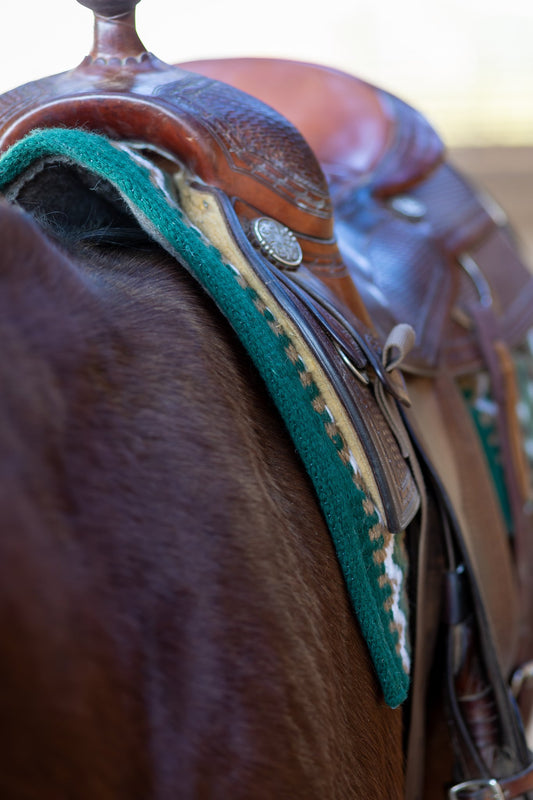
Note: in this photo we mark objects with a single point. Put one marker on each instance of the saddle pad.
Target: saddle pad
(372, 560)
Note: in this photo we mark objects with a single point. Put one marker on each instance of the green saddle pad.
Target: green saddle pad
(372, 560)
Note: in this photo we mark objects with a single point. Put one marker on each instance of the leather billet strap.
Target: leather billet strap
(427, 566)
(443, 429)
(481, 603)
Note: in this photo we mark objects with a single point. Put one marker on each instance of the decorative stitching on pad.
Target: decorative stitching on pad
(389, 554)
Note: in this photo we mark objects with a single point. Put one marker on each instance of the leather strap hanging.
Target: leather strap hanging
(480, 610)
(505, 393)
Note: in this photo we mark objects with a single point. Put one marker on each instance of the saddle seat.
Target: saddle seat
(351, 126)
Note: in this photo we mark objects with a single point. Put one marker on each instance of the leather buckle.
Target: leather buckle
(520, 676)
(491, 790)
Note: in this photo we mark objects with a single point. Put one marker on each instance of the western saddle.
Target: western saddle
(347, 192)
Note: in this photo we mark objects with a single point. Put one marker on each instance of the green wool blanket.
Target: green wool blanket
(371, 559)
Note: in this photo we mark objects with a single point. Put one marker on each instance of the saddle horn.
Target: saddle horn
(228, 138)
(115, 34)
(110, 8)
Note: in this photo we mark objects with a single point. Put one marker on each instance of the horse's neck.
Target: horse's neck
(168, 551)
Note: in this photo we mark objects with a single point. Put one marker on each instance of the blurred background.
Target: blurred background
(466, 64)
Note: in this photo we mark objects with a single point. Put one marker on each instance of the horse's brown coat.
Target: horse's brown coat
(173, 620)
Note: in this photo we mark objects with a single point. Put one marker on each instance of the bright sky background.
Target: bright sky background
(467, 64)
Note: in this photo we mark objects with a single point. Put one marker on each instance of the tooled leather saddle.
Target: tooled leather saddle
(346, 192)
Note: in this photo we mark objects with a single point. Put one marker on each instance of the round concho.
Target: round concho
(409, 207)
(277, 242)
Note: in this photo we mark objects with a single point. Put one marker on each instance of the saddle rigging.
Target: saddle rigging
(357, 224)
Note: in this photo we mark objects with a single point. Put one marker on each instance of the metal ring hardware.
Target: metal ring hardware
(462, 791)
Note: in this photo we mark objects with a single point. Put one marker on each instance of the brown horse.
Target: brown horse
(177, 621)
(174, 621)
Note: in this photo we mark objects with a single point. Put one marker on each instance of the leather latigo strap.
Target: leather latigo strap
(505, 393)
(444, 431)
(480, 608)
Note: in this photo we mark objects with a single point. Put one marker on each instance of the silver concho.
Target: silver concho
(409, 207)
(277, 242)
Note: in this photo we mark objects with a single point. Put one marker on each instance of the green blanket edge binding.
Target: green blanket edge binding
(341, 501)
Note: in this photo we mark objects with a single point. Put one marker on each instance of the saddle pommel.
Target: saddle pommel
(230, 140)
(115, 36)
